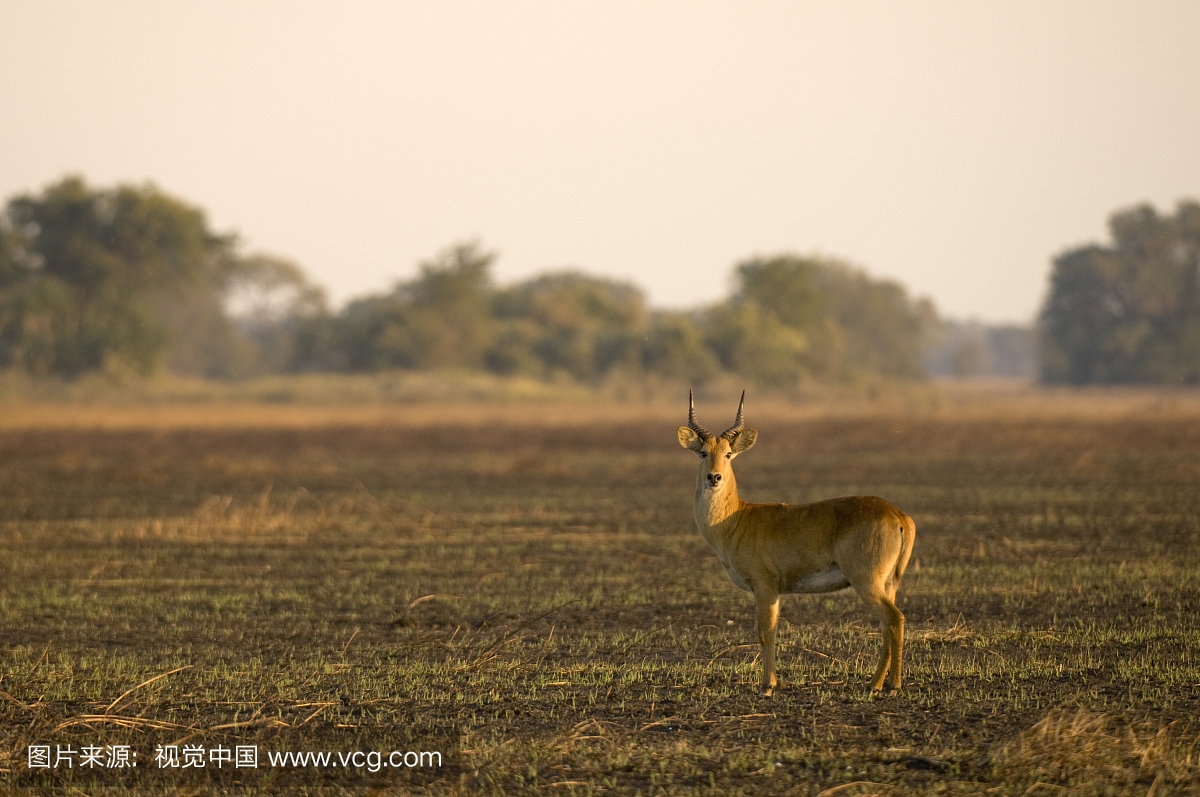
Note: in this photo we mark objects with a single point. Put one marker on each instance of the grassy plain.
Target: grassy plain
(522, 589)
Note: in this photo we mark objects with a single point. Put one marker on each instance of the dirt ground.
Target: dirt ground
(524, 593)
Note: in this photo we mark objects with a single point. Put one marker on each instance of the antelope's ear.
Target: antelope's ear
(688, 438)
(743, 441)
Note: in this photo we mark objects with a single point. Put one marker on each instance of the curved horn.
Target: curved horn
(703, 433)
(738, 423)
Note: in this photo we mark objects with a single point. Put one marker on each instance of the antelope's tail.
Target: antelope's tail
(908, 538)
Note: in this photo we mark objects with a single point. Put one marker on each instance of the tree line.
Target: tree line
(131, 279)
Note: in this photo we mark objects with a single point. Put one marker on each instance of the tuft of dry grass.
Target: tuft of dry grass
(1092, 752)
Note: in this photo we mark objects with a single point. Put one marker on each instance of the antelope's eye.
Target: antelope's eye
(729, 455)
(703, 454)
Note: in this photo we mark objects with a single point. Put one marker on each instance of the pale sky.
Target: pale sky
(953, 146)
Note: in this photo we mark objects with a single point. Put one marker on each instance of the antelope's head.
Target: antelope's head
(716, 452)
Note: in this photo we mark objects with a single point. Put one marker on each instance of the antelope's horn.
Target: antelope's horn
(738, 423)
(695, 427)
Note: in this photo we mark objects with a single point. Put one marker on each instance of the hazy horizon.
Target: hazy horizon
(953, 148)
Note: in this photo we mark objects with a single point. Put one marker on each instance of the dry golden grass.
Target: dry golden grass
(1086, 753)
(967, 400)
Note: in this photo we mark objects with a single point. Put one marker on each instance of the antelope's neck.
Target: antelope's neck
(716, 512)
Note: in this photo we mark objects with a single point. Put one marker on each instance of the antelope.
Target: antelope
(773, 549)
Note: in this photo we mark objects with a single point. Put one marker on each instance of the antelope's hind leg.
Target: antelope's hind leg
(896, 646)
(891, 623)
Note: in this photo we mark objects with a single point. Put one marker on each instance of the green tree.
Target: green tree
(1128, 312)
(793, 318)
(883, 329)
(452, 316)
(84, 274)
(276, 309)
(675, 348)
(571, 323)
(751, 341)
(441, 319)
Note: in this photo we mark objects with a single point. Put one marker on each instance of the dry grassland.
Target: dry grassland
(521, 588)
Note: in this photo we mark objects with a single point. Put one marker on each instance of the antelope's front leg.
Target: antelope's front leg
(767, 604)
